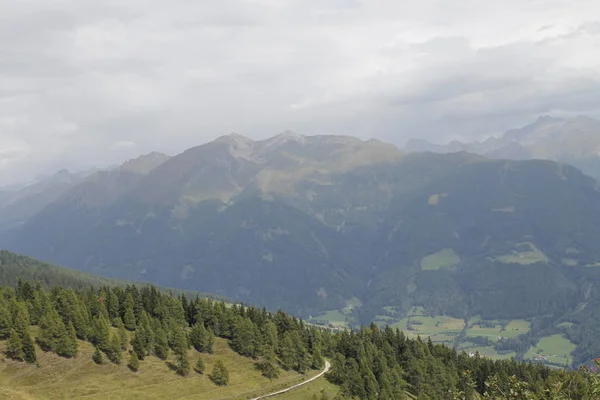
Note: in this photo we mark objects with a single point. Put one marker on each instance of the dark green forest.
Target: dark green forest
(370, 363)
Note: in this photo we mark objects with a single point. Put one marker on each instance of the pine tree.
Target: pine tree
(134, 362)
(5, 322)
(219, 374)
(100, 333)
(161, 344)
(137, 343)
(123, 337)
(268, 366)
(129, 316)
(29, 354)
(199, 338)
(182, 364)
(114, 353)
(200, 367)
(97, 357)
(180, 348)
(14, 347)
(52, 332)
(67, 343)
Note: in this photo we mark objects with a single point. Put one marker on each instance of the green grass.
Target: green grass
(60, 378)
(490, 352)
(555, 348)
(336, 318)
(307, 391)
(429, 326)
(442, 259)
(516, 327)
(527, 254)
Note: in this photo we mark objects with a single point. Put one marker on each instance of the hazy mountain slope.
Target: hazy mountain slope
(573, 141)
(17, 206)
(308, 222)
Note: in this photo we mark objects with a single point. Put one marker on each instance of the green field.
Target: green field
(336, 318)
(500, 329)
(555, 348)
(60, 378)
(442, 259)
(526, 253)
(428, 326)
(489, 352)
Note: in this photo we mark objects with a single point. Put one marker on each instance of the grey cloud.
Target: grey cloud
(78, 77)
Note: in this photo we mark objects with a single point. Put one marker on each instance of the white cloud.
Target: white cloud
(77, 77)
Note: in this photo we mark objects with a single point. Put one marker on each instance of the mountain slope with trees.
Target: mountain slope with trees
(137, 326)
(306, 223)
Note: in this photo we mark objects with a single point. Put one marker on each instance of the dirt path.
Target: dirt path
(327, 367)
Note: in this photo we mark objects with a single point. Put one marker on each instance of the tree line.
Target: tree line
(370, 363)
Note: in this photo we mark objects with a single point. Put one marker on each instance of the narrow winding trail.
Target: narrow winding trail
(327, 367)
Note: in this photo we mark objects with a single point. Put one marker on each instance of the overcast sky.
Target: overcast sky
(94, 82)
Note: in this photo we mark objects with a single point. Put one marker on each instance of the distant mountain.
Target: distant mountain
(17, 204)
(573, 141)
(307, 222)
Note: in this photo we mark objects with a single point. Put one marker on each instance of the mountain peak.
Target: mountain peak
(144, 164)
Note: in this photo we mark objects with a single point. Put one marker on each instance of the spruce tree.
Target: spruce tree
(97, 356)
(5, 322)
(161, 344)
(67, 343)
(123, 337)
(180, 348)
(100, 333)
(134, 362)
(219, 374)
(29, 354)
(129, 316)
(52, 332)
(14, 347)
(199, 338)
(137, 343)
(200, 367)
(268, 366)
(114, 353)
(182, 364)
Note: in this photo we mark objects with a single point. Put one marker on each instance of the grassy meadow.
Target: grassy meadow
(81, 378)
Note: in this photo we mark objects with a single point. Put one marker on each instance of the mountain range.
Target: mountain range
(307, 222)
(574, 141)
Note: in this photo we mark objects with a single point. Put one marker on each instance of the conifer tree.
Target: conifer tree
(268, 366)
(67, 343)
(180, 347)
(287, 352)
(220, 374)
(200, 367)
(134, 362)
(161, 344)
(100, 333)
(123, 337)
(182, 364)
(29, 353)
(129, 316)
(14, 347)
(114, 354)
(97, 356)
(137, 343)
(5, 322)
(53, 333)
(199, 338)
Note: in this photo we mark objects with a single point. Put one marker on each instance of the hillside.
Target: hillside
(574, 141)
(80, 377)
(307, 223)
(130, 343)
